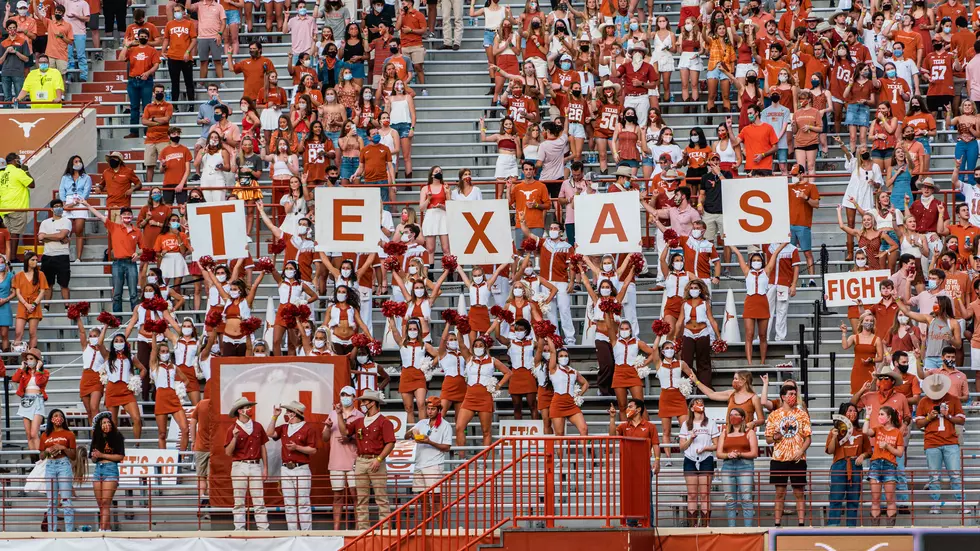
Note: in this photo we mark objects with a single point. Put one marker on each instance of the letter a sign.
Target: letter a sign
(756, 210)
(480, 232)
(348, 219)
(218, 229)
(607, 223)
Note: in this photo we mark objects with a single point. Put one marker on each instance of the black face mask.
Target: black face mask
(393, 49)
(158, 96)
(175, 138)
(577, 93)
(331, 53)
(437, 176)
(144, 40)
(751, 79)
(866, 156)
(535, 25)
(195, 200)
(631, 119)
(114, 162)
(59, 16)
(218, 116)
(584, 48)
(333, 179)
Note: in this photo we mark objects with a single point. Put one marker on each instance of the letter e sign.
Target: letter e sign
(348, 219)
(755, 210)
(217, 229)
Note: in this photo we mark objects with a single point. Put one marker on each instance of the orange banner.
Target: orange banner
(25, 131)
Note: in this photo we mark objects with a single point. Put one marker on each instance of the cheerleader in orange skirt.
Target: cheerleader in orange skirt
(626, 347)
(672, 403)
(563, 381)
(291, 290)
(675, 282)
(420, 300)
(453, 368)
(185, 357)
(411, 384)
(755, 312)
(869, 351)
(480, 298)
(120, 366)
(545, 391)
(480, 371)
(165, 376)
(366, 374)
(520, 349)
(93, 362)
(222, 276)
(144, 338)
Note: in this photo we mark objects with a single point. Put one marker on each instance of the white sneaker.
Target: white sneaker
(935, 510)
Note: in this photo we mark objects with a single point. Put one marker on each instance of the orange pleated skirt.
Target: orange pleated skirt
(522, 381)
(625, 377)
(545, 396)
(411, 380)
(193, 385)
(479, 318)
(563, 405)
(672, 404)
(453, 389)
(478, 399)
(91, 382)
(167, 402)
(756, 307)
(673, 307)
(118, 394)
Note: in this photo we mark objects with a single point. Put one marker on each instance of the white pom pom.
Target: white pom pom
(686, 386)
(135, 384)
(638, 362)
(492, 387)
(543, 303)
(643, 372)
(495, 394)
(577, 396)
(181, 389)
(103, 376)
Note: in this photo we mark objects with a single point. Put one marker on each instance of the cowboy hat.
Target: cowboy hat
(97, 420)
(115, 154)
(638, 46)
(608, 84)
(33, 352)
(671, 174)
(928, 182)
(889, 371)
(936, 386)
(624, 171)
(240, 403)
(823, 27)
(372, 395)
(295, 407)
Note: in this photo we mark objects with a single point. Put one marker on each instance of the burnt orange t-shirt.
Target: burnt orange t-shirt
(158, 133)
(141, 59)
(169, 242)
(697, 157)
(892, 436)
(375, 159)
(525, 193)
(416, 21)
(254, 71)
(116, 184)
(174, 159)
(202, 414)
(179, 34)
(133, 28)
(852, 445)
(800, 211)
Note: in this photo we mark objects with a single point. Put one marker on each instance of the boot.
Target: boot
(876, 521)
(890, 520)
(692, 519)
(705, 519)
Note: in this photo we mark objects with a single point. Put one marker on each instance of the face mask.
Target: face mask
(152, 279)
(319, 343)
(290, 274)
(214, 143)
(144, 40)
(931, 284)
(553, 234)
(584, 48)
(783, 78)
(678, 266)
(453, 345)
(175, 138)
(688, 27)
(563, 361)
(346, 272)
(897, 52)
(302, 230)
(752, 79)
(624, 333)
(637, 58)
(519, 335)
(566, 65)
(412, 270)
(695, 292)
(118, 346)
(860, 262)
(341, 297)
(950, 362)
(518, 292)
(890, 73)
(164, 356)
(149, 295)
(93, 340)
(605, 291)
(751, 117)
(127, 220)
(529, 271)
(222, 278)
(368, 96)
(302, 11)
(669, 353)
(329, 98)
(419, 293)
(308, 331)
(413, 334)
(866, 156)
(756, 264)
(479, 351)
(697, 234)
(348, 76)
(234, 293)
(607, 267)
(186, 331)
(868, 326)
(178, 15)
(58, 211)
(815, 82)
(114, 162)
(346, 401)
(158, 96)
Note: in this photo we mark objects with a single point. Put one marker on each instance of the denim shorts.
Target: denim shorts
(782, 154)
(357, 70)
(576, 130)
(488, 37)
(924, 140)
(630, 163)
(884, 244)
(348, 166)
(362, 132)
(705, 467)
(647, 160)
(334, 137)
(716, 74)
(800, 236)
(403, 128)
(233, 17)
(882, 153)
(883, 471)
(857, 115)
(106, 471)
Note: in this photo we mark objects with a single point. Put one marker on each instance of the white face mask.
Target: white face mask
(518, 292)
(118, 346)
(479, 351)
(697, 234)
(563, 361)
(607, 267)
(308, 331)
(151, 279)
(149, 295)
(860, 262)
(346, 272)
(341, 297)
(302, 230)
(319, 343)
(688, 27)
(93, 340)
(406, 238)
(678, 266)
(669, 353)
(519, 335)
(259, 354)
(529, 271)
(413, 334)
(478, 279)
(420, 293)
(363, 359)
(186, 331)
(903, 319)
(222, 278)
(553, 234)
(695, 292)
(756, 264)
(234, 293)
(605, 291)
(164, 356)
(637, 58)
(624, 333)
(452, 345)
(290, 273)
(412, 270)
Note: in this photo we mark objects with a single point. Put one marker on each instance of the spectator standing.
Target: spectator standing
(938, 415)
(803, 198)
(58, 448)
(254, 70)
(452, 23)
(78, 13)
(61, 37)
(375, 438)
(74, 189)
(788, 431)
(343, 452)
(176, 161)
(95, 8)
(302, 32)
(375, 168)
(140, 22)
(211, 21)
(779, 118)
(54, 234)
(202, 430)
(124, 238)
(760, 142)
(849, 449)
(15, 196)
(433, 439)
(298, 445)
(973, 74)
(29, 286)
(16, 56)
(245, 444)
(156, 119)
(119, 182)
(574, 186)
(179, 44)
(233, 22)
(44, 85)
(531, 200)
(413, 28)
(115, 18)
(551, 155)
(144, 60)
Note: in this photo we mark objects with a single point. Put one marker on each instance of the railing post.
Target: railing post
(804, 370)
(833, 380)
(816, 326)
(6, 407)
(549, 482)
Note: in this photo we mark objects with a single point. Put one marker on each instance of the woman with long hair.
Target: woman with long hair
(741, 396)
(250, 118)
(453, 365)
(942, 330)
(283, 165)
(626, 350)
(291, 287)
(884, 135)
(237, 303)
(32, 380)
(211, 163)
(869, 237)
(350, 151)
(536, 42)
(171, 246)
(520, 345)
(333, 115)
(432, 205)
(546, 391)
(108, 450)
(185, 354)
(74, 189)
(285, 131)
(413, 348)
(696, 327)
(508, 148)
(628, 141)
(503, 49)
(564, 380)
(494, 15)
(698, 440)
(889, 445)
(302, 115)
(738, 447)
(850, 450)
(348, 91)
(869, 350)
(368, 113)
(353, 53)
(318, 154)
(167, 404)
(343, 318)
(90, 387)
(672, 404)
(122, 366)
(480, 372)
(146, 311)
(718, 40)
(807, 130)
(662, 43)
(401, 107)
(29, 286)
(758, 275)
(272, 100)
(294, 204)
(479, 286)
(58, 447)
(608, 111)
(7, 294)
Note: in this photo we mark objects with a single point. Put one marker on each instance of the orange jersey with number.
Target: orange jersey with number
(606, 120)
(891, 91)
(939, 67)
(577, 110)
(841, 73)
(517, 109)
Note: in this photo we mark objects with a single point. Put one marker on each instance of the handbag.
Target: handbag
(37, 479)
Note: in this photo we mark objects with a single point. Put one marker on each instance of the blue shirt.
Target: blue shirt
(206, 111)
(69, 187)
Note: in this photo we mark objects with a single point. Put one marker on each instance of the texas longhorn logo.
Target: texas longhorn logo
(26, 127)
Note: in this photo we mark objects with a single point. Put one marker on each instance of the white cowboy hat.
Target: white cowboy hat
(936, 386)
(240, 403)
(295, 407)
(372, 395)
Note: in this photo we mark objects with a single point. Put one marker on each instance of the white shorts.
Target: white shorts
(576, 130)
(690, 61)
(271, 1)
(743, 69)
(426, 477)
(506, 166)
(540, 67)
(338, 479)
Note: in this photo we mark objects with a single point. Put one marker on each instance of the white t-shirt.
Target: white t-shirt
(429, 456)
(703, 435)
(50, 225)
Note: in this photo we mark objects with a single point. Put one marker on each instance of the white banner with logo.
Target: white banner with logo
(755, 210)
(142, 465)
(480, 232)
(521, 428)
(608, 223)
(217, 230)
(348, 219)
(847, 288)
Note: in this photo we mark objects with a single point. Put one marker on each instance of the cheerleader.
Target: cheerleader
(238, 301)
(185, 357)
(672, 403)
(626, 347)
(420, 301)
(546, 392)
(300, 247)
(221, 277)
(120, 365)
(453, 368)
(520, 349)
(342, 319)
(755, 312)
(90, 388)
(479, 289)
(697, 328)
(209, 349)
(172, 244)
(145, 338)
(597, 322)
(165, 377)
(366, 374)
(480, 371)
(359, 282)
(563, 381)
(520, 304)
(291, 291)
(555, 276)
(318, 345)
(675, 284)
(412, 384)
(537, 285)
(154, 276)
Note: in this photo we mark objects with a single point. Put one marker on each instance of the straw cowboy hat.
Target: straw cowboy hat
(296, 407)
(372, 395)
(33, 352)
(240, 403)
(624, 171)
(889, 371)
(936, 386)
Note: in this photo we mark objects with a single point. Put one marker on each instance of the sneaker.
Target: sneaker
(935, 510)
(569, 342)
(813, 283)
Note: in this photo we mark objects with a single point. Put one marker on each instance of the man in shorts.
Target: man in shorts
(156, 119)
(53, 233)
(788, 431)
(433, 438)
(15, 194)
(343, 452)
(211, 20)
(803, 198)
(413, 28)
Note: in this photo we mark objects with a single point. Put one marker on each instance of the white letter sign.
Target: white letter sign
(348, 219)
(480, 232)
(608, 223)
(756, 210)
(217, 229)
(847, 288)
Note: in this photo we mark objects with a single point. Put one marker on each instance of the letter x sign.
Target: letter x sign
(480, 232)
